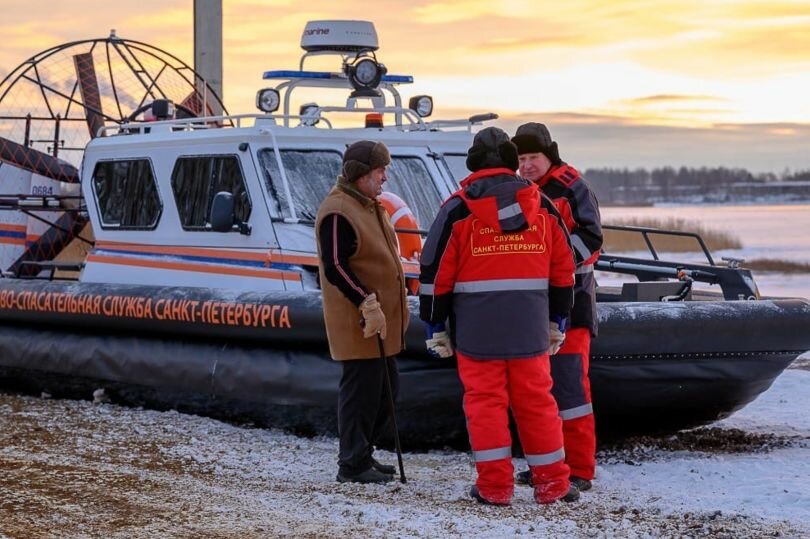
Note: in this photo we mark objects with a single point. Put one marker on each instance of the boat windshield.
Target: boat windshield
(457, 166)
(312, 173)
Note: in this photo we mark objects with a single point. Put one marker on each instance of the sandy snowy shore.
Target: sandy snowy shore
(75, 469)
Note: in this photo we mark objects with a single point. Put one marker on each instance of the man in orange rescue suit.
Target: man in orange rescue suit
(540, 163)
(363, 299)
(496, 260)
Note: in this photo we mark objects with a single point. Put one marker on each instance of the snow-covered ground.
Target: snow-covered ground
(75, 469)
(772, 484)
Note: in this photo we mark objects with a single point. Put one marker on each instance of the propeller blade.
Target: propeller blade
(88, 86)
(38, 162)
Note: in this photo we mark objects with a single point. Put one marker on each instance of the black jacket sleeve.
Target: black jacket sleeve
(338, 242)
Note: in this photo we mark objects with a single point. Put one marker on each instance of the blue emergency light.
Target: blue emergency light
(284, 74)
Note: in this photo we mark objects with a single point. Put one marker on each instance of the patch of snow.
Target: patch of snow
(191, 476)
(772, 485)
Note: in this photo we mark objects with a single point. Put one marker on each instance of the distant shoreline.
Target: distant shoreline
(692, 203)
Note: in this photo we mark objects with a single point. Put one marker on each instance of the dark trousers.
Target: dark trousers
(364, 410)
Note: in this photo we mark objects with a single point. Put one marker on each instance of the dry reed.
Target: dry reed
(776, 265)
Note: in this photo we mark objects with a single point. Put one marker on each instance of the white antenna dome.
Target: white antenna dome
(344, 36)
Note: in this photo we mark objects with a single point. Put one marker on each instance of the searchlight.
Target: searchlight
(365, 74)
(267, 100)
(422, 105)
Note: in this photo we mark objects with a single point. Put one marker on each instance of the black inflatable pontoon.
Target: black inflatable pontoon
(263, 357)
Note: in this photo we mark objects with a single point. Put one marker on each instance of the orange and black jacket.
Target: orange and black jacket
(497, 262)
(579, 209)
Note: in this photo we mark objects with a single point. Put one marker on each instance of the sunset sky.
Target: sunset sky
(620, 83)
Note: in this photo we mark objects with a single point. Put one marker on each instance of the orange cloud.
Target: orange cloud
(672, 98)
(586, 56)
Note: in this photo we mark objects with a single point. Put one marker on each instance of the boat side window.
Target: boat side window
(408, 178)
(311, 174)
(456, 165)
(195, 181)
(126, 194)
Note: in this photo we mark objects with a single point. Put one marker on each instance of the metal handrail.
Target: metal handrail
(646, 231)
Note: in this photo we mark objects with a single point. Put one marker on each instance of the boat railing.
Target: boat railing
(314, 115)
(416, 123)
(42, 203)
(167, 126)
(645, 233)
(736, 283)
(466, 123)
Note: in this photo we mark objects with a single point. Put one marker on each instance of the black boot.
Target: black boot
(368, 476)
(383, 468)
(476, 495)
(524, 478)
(572, 496)
(581, 484)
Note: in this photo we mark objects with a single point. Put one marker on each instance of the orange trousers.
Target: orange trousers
(491, 387)
(572, 391)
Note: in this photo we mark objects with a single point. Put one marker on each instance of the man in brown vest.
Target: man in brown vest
(363, 298)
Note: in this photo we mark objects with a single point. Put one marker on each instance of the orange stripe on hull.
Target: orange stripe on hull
(201, 268)
(12, 241)
(266, 257)
(286, 258)
(175, 250)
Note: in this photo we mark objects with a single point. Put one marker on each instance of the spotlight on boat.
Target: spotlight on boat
(161, 109)
(422, 105)
(267, 100)
(310, 114)
(365, 75)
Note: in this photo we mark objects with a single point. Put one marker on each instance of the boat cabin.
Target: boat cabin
(195, 202)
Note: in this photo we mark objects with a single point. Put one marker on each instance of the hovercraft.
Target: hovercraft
(198, 290)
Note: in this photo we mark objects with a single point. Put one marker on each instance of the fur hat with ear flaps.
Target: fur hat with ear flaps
(534, 137)
(492, 148)
(362, 157)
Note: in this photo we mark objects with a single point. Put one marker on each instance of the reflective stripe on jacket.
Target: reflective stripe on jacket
(580, 211)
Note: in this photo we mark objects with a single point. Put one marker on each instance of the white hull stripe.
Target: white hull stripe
(500, 285)
(510, 211)
(587, 268)
(488, 455)
(543, 459)
(579, 411)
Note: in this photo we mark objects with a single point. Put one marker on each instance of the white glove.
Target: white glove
(439, 345)
(556, 338)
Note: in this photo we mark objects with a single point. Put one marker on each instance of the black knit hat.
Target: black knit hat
(362, 157)
(492, 148)
(534, 137)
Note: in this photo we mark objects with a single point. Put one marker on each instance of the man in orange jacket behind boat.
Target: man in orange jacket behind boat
(540, 163)
(498, 264)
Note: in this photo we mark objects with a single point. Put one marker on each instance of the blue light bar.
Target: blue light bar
(392, 79)
(297, 75)
(398, 79)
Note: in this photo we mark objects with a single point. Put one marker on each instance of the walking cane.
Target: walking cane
(393, 410)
